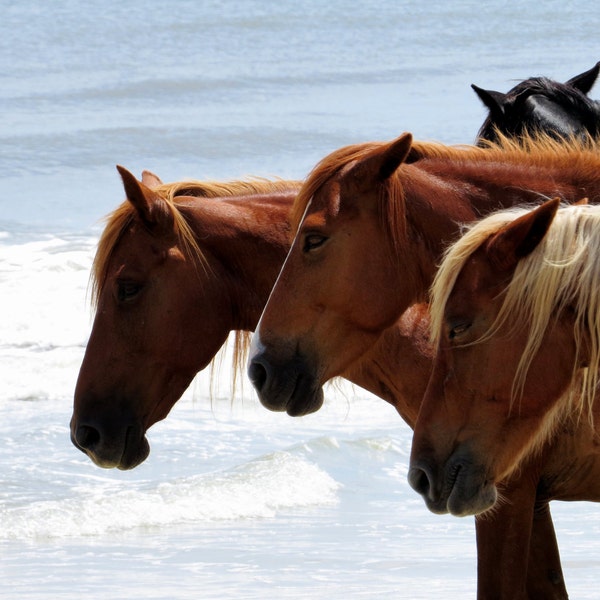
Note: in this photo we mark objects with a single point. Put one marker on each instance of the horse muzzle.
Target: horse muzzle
(112, 445)
(459, 487)
(282, 384)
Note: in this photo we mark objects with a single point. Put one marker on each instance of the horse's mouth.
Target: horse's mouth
(460, 487)
(133, 450)
(296, 393)
(305, 399)
(468, 492)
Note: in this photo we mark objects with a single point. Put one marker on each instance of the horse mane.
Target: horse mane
(217, 189)
(173, 195)
(562, 272)
(580, 156)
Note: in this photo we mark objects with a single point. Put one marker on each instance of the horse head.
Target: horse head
(315, 323)
(508, 352)
(542, 106)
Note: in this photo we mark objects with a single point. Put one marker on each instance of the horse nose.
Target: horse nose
(86, 437)
(419, 480)
(258, 372)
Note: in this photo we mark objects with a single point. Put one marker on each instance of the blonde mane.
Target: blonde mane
(580, 156)
(173, 194)
(562, 272)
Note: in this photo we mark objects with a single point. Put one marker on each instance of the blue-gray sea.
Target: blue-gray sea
(234, 501)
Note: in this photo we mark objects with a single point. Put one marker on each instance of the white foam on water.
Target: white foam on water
(258, 489)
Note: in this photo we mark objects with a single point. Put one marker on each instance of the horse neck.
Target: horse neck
(397, 368)
(442, 195)
(248, 237)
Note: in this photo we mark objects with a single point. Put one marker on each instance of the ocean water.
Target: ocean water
(234, 501)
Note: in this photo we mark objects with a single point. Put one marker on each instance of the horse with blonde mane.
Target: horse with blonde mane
(181, 265)
(516, 323)
(372, 221)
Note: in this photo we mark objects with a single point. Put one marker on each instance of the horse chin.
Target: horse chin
(470, 496)
(301, 402)
(308, 403)
(134, 454)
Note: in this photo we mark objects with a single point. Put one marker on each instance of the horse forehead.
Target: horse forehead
(139, 245)
(326, 200)
(546, 109)
(476, 281)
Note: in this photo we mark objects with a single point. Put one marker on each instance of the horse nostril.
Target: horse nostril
(419, 481)
(87, 437)
(257, 374)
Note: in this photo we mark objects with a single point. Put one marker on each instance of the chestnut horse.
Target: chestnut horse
(143, 340)
(372, 221)
(539, 104)
(516, 321)
(178, 267)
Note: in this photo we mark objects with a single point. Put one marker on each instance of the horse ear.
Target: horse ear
(520, 237)
(151, 180)
(585, 81)
(382, 165)
(150, 206)
(494, 101)
(393, 156)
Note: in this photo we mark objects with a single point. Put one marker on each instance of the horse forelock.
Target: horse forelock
(326, 169)
(562, 272)
(567, 96)
(117, 224)
(390, 195)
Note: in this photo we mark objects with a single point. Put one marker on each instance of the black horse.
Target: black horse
(541, 105)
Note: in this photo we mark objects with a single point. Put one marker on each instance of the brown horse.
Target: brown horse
(178, 267)
(516, 318)
(373, 220)
(139, 343)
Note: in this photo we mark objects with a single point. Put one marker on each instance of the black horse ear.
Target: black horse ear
(493, 100)
(585, 81)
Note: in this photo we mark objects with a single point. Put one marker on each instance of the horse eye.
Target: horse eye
(458, 330)
(127, 290)
(313, 241)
